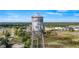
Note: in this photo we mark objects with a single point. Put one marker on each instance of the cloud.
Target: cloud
(76, 14)
(14, 17)
(62, 11)
(54, 13)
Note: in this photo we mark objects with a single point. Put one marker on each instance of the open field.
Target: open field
(64, 39)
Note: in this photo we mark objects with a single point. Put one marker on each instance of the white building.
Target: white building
(75, 28)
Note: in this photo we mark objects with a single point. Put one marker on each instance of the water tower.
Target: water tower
(37, 31)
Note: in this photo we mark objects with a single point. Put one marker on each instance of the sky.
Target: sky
(49, 15)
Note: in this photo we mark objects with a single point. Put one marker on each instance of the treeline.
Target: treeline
(47, 24)
(60, 24)
(11, 24)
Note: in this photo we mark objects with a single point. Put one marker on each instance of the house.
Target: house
(59, 28)
(75, 28)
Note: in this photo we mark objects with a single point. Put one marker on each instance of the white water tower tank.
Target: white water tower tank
(37, 23)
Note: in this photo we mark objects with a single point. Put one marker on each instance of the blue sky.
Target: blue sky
(49, 15)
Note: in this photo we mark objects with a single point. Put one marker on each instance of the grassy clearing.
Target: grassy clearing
(64, 39)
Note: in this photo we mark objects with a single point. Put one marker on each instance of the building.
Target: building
(75, 28)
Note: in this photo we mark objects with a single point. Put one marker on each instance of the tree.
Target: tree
(71, 29)
(7, 34)
(26, 40)
(25, 37)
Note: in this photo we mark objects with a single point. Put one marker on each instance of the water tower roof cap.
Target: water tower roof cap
(37, 15)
